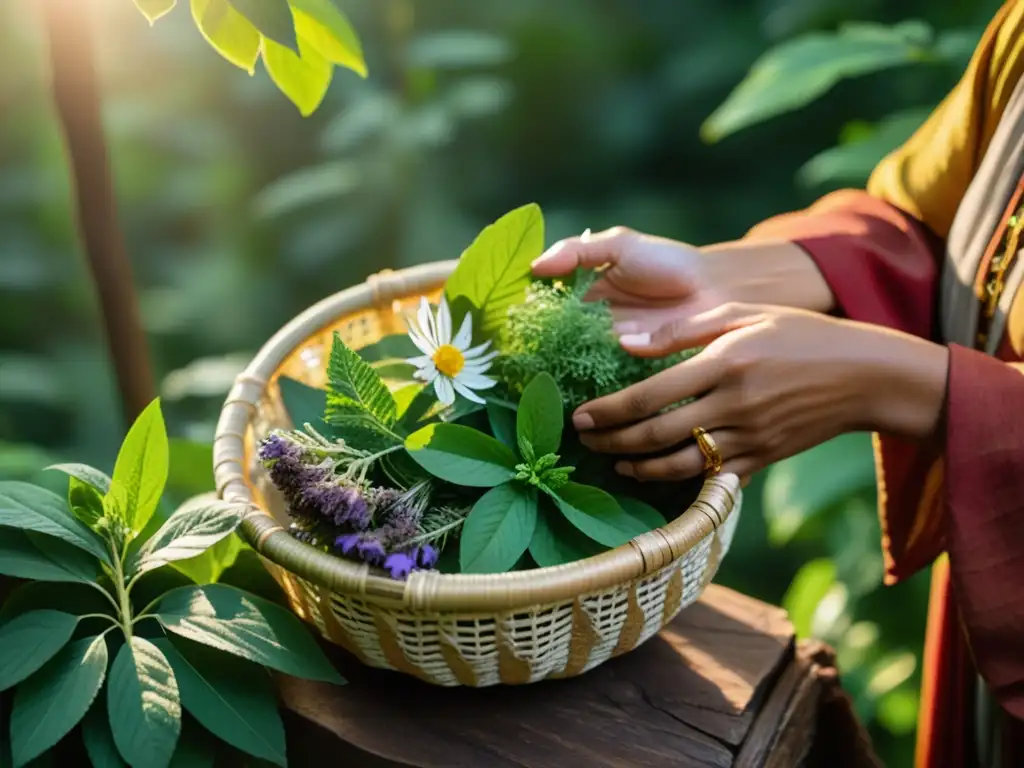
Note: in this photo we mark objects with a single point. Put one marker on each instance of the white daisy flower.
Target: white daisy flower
(450, 363)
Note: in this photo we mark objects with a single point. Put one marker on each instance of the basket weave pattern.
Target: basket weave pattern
(451, 630)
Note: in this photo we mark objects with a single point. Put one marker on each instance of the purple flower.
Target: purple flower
(371, 550)
(426, 556)
(337, 503)
(348, 542)
(277, 446)
(400, 564)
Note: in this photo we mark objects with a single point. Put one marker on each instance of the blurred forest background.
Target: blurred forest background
(239, 213)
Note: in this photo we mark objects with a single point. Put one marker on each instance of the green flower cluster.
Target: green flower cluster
(554, 331)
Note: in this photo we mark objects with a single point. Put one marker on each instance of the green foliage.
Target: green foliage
(31, 640)
(359, 404)
(143, 704)
(498, 529)
(461, 455)
(142, 466)
(535, 426)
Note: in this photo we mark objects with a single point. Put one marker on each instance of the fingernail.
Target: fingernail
(585, 237)
(582, 421)
(626, 327)
(635, 340)
(548, 254)
(624, 468)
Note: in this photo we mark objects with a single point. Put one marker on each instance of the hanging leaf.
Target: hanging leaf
(99, 741)
(28, 555)
(303, 77)
(142, 465)
(355, 387)
(154, 9)
(31, 508)
(597, 514)
(556, 542)
(144, 705)
(327, 29)
(461, 455)
(272, 18)
(29, 641)
(540, 416)
(198, 524)
(498, 529)
(231, 34)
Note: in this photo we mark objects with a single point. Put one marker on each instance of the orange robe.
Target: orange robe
(957, 500)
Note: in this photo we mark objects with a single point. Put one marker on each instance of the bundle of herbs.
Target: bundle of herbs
(447, 448)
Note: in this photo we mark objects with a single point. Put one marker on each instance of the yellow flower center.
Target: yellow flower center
(449, 360)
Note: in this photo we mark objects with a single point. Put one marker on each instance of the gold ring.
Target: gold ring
(708, 447)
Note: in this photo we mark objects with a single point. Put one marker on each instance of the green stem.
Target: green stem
(109, 618)
(124, 609)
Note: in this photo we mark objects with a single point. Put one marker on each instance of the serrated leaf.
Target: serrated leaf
(354, 387)
(197, 525)
(55, 699)
(597, 514)
(323, 25)
(85, 502)
(142, 465)
(144, 705)
(229, 33)
(540, 416)
(154, 9)
(498, 529)
(229, 697)
(31, 508)
(461, 455)
(273, 19)
(303, 76)
(88, 475)
(28, 555)
(31, 640)
(247, 626)
(98, 740)
(494, 272)
(556, 542)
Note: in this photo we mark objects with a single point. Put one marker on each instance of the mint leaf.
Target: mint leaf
(322, 24)
(31, 508)
(143, 705)
(29, 641)
(494, 272)
(498, 529)
(197, 525)
(642, 511)
(142, 466)
(461, 455)
(273, 19)
(355, 387)
(597, 514)
(30, 555)
(88, 475)
(539, 421)
(229, 33)
(556, 542)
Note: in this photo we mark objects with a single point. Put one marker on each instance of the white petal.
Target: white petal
(426, 320)
(475, 368)
(420, 362)
(427, 373)
(468, 393)
(444, 390)
(465, 335)
(422, 343)
(480, 359)
(477, 350)
(475, 380)
(444, 323)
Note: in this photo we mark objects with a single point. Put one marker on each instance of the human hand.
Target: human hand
(770, 383)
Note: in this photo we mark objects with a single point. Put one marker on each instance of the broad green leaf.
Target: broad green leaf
(31, 640)
(598, 515)
(461, 455)
(540, 415)
(231, 34)
(55, 699)
(235, 622)
(303, 77)
(229, 697)
(325, 27)
(503, 424)
(355, 386)
(98, 740)
(154, 9)
(142, 465)
(556, 542)
(494, 272)
(28, 555)
(498, 529)
(88, 475)
(144, 705)
(405, 397)
(31, 508)
(805, 486)
(208, 567)
(810, 585)
(800, 70)
(272, 18)
(642, 511)
(198, 524)
(305, 404)
(85, 502)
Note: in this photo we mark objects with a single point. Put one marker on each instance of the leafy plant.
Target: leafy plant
(190, 648)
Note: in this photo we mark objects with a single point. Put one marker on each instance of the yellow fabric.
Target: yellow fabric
(929, 174)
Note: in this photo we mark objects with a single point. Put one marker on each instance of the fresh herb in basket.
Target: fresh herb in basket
(454, 455)
(105, 606)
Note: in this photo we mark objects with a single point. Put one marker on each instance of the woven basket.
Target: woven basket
(473, 630)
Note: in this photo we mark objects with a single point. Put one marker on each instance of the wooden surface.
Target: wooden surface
(723, 685)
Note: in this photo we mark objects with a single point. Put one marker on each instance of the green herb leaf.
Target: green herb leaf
(230, 698)
(55, 699)
(598, 515)
(461, 455)
(642, 511)
(154, 9)
(31, 640)
(29, 555)
(322, 24)
(99, 741)
(540, 415)
(503, 424)
(305, 404)
(355, 386)
(273, 19)
(208, 567)
(144, 705)
(302, 76)
(31, 508)
(556, 542)
(88, 475)
(198, 525)
(231, 34)
(405, 397)
(85, 502)
(235, 622)
(494, 272)
(142, 465)
(498, 529)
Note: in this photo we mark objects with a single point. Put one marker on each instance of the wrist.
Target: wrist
(768, 272)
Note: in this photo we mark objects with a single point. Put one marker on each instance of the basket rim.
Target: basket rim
(428, 590)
